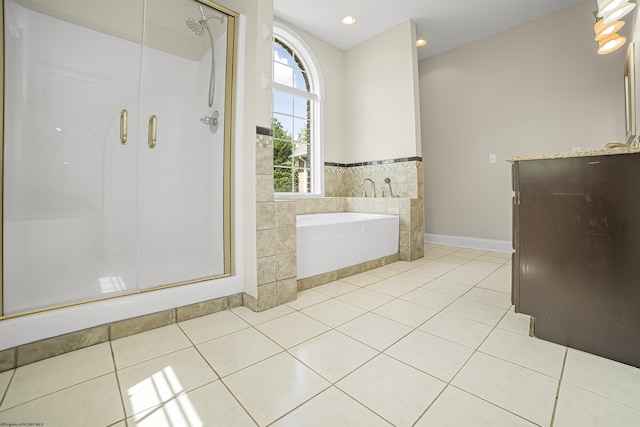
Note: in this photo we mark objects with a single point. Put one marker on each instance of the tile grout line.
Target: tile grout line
(224, 384)
(449, 383)
(285, 351)
(298, 406)
(184, 392)
(6, 391)
(416, 328)
(379, 352)
(555, 403)
(354, 398)
(57, 391)
(54, 391)
(115, 373)
(476, 350)
(219, 377)
(153, 408)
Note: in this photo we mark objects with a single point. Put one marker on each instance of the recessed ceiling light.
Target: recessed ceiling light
(421, 42)
(349, 20)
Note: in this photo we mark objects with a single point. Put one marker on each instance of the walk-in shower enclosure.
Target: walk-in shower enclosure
(116, 163)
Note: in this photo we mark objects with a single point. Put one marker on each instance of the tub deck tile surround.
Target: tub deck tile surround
(265, 216)
(285, 240)
(286, 266)
(287, 290)
(267, 296)
(275, 234)
(406, 175)
(266, 270)
(250, 302)
(264, 242)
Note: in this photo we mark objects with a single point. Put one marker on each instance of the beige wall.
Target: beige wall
(537, 88)
(370, 96)
(632, 21)
(381, 97)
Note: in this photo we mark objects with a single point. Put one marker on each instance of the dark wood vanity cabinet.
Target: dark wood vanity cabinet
(576, 266)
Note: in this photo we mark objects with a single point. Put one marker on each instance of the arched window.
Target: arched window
(296, 119)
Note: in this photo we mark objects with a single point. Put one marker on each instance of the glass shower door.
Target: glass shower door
(69, 215)
(182, 160)
(116, 154)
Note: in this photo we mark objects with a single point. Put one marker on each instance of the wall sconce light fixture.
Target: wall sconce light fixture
(607, 24)
(612, 10)
(603, 30)
(611, 43)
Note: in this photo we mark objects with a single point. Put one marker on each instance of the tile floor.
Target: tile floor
(433, 342)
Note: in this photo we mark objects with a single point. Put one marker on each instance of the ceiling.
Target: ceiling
(446, 24)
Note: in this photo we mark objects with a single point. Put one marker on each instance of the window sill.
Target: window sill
(296, 195)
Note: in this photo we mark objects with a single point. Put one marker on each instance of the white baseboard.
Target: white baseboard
(469, 242)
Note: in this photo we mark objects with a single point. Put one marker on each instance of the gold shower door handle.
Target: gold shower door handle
(124, 125)
(153, 131)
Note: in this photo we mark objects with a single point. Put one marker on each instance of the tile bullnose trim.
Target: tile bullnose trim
(375, 162)
(264, 131)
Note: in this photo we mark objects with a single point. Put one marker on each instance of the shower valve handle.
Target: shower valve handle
(212, 121)
(209, 120)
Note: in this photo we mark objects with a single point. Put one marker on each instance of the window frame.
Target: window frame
(304, 53)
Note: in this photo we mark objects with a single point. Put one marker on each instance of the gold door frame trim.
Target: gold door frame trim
(2, 161)
(229, 170)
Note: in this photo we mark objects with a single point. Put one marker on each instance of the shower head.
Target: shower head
(196, 27)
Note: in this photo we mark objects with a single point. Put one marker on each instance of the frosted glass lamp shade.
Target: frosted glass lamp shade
(618, 12)
(605, 7)
(603, 30)
(611, 43)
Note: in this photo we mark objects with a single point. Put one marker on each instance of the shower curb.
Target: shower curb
(26, 354)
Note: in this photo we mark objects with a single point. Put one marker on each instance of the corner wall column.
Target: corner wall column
(275, 234)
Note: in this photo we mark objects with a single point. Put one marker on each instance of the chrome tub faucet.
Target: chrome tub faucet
(364, 189)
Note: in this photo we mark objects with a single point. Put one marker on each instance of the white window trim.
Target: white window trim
(316, 82)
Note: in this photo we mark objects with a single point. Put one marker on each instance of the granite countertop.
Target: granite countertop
(591, 153)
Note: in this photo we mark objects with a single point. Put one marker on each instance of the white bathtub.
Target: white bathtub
(330, 241)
